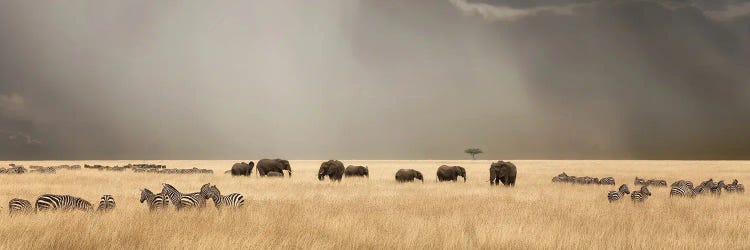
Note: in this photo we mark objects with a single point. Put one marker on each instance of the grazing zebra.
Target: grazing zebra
(62, 202)
(683, 183)
(640, 196)
(106, 203)
(232, 200)
(607, 181)
(154, 201)
(181, 200)
(639, 181)
(617, 195)
(19, 206)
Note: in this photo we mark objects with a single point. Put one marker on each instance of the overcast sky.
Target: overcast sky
(375, 79)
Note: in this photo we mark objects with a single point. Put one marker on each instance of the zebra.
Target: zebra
(607, 181)
(154, 201)
(639, 181)
(232, 200)
(181, 200)
(106, 203)
(563, 177)
(62, 202)
(734, 187)
(640, 196)
(685, 189)
(19, 206)
(617, 195)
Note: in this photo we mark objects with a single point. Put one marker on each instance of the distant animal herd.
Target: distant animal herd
(500, 172)
(682, 188)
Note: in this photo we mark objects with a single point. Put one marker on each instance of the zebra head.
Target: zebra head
(206, 191)
(624, 189)
(171, 192)
(645, 191)
(146, 194)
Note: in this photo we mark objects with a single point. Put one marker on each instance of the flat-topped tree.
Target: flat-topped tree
(473, 152)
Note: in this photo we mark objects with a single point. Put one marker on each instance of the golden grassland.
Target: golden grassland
(378, 213)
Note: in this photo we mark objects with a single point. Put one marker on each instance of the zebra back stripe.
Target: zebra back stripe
(62, 202)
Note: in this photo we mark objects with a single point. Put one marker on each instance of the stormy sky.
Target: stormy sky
(375, 79)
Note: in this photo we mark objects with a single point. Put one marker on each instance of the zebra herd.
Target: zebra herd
(54, 202)
(679, 188)
(169, 194)
(563, 177)
(685, 188)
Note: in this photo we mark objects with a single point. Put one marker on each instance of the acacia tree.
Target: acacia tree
(473, 152)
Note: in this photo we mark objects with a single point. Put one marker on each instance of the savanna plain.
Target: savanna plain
(377, 213)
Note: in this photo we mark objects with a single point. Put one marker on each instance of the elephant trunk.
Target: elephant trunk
(464, 177)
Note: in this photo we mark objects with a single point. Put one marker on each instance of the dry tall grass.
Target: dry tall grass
(303, 212)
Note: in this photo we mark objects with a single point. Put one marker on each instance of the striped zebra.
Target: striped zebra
(685, 189)
(181, 200)
(734, 187)
(639, 181)
(19, 206)
(641, 195)
(62, 202)
(106, 203)
(617, 195)
(607, 181)
(232, 200)
(154, 201)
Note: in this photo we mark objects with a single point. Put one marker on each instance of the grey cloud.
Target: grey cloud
(372, 79)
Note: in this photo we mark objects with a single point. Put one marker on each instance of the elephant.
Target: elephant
(242, 168)
(274, 174)
(408, 175)
(273, 165)
(450, 173)
(503, 171)
(333, 169)
(357, 171)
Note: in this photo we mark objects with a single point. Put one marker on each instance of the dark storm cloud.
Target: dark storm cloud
(374, 79)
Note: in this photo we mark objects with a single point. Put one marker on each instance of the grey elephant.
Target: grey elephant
(408, 175)
(273, 165)
(450, 173)
(333, 169)
(352, 171)
(503, 171)
(274, 174)
(241, 168)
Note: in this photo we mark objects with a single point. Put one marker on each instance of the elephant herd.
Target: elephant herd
(500, 172)
(265, 167)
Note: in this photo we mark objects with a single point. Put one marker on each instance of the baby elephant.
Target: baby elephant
(408, 175)
(352, 171)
